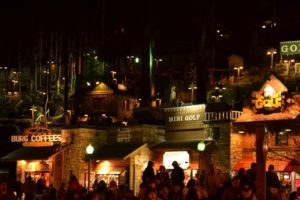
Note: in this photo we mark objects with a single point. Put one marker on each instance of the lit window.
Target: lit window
(282, 138)
(124, 135)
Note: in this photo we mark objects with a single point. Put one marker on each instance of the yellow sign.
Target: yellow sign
(269, 102)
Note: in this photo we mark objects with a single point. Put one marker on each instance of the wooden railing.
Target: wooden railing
(226, 115)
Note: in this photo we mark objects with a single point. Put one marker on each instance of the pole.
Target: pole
(89, 174)
(272, 60)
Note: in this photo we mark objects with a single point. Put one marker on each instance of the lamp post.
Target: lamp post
(89, 150)
(239, 71)
(288, 63)
(271, 53)
(200, 148)
(33, 109)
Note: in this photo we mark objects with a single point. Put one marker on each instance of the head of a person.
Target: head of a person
(271, 167)
(211, 169)
(28, 179)
(151, 195)
(235, 182)
(192, 183)
(175, 164)
(247, 191)
(253, 166)
(242, 171)
(162, 168)
(3, 187)
(150, 163)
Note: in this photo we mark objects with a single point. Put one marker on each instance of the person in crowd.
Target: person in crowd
(298, 192)
(62, 191)
(272, 183)
(251, 173)
(163, 192)
(163, 177)
(95, 184)
(177, 175)
(151, 195)
(293, 195)
(5, 193)
(40, 188)
(142, 191)
(233, 192)
(202, 178)
(75, 190)
(247, 192)
(193, 192)
(29, 189)
(175, 193)
(213, 181)
(282, 195)
(242, 176)
(17, 188)
(148, 174)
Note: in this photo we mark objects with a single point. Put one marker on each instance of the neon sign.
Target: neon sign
(269, 100)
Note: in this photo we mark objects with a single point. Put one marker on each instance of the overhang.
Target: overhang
(31, 153)
(117, 151)
(284, 165)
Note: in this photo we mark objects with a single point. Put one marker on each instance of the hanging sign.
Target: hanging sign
(269, 100)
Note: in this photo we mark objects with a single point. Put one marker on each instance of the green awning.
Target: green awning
(31, 153)
(117, 151)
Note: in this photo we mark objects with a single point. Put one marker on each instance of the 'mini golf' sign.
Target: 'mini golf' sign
(290, 47)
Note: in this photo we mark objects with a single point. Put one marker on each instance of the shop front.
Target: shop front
(268, 133)
(40, 157)
(121, 163)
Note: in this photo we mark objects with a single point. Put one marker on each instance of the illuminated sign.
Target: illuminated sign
(269, 101)
(182, 157)
(185, 117)
(36, 140)
(290, 47)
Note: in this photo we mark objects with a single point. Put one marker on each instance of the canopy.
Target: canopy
(31, 153)
(284, 165)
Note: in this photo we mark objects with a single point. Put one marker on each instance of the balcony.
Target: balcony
(225, 115)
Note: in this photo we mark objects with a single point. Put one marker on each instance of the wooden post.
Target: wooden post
(261, 163)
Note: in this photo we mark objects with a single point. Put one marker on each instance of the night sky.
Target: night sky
(119, 27)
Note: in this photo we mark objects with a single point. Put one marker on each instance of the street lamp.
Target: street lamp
(33, 109)
(288, 62)
(239, 71)
(200, 148)
(89, 150)
(271, 53)
(157, 60)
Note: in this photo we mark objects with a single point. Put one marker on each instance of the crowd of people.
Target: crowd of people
(160, 185)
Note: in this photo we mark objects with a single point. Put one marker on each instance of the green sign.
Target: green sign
(290, 47)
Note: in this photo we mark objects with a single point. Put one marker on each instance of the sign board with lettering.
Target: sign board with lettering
(37, 137)
(290, 47)
(185, 117)
(271, 96)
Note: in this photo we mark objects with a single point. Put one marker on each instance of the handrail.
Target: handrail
(230, 115)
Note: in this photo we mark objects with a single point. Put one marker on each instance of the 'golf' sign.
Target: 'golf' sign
(290, 47)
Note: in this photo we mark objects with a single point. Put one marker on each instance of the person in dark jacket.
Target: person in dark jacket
(177, 175)
(148, 174)
(272, 183)
(233, 192)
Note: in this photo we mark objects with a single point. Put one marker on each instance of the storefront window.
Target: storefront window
(182, 157)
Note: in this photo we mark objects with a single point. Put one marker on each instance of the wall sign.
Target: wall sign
(37, 137)
(185, 117)
(269, 100)
(290, 47)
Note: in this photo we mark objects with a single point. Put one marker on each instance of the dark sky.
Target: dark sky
(176, 24)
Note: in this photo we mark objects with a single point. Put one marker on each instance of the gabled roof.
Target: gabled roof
(275, 83)
(117, 151)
